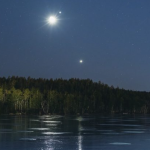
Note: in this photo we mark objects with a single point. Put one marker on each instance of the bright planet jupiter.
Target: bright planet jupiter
(81, 61)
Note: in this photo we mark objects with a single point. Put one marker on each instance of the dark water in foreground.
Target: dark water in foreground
(74, 132)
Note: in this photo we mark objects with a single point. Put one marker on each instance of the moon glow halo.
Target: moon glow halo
(52, 20)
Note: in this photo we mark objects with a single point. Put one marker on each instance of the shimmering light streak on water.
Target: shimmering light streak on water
(80, 142)
(53, 132)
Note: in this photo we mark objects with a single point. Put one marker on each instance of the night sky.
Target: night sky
(111, 37)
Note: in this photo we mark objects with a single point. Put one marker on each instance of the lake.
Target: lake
(54, 132)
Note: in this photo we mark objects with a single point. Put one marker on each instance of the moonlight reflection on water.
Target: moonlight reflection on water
(75, 133)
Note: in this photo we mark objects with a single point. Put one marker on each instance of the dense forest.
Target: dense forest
(74, 96)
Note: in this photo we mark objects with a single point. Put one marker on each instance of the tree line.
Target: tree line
(73, 96)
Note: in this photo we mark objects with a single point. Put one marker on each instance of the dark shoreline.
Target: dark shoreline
(73, 96)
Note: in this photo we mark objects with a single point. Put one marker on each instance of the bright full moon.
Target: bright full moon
(52, 20)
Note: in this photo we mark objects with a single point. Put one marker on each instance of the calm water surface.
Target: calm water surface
(75, 132)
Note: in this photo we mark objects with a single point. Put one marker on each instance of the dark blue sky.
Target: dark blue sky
(111, 36)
